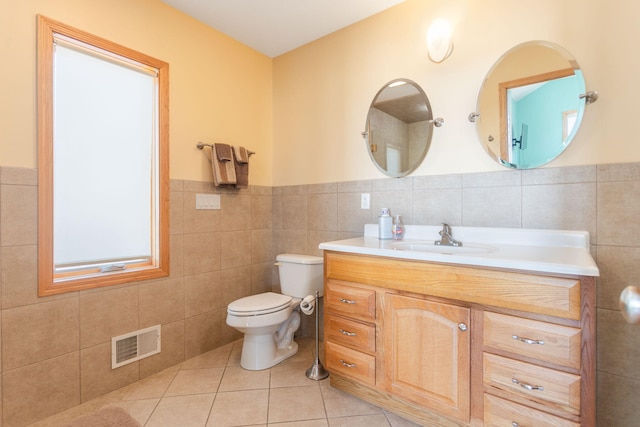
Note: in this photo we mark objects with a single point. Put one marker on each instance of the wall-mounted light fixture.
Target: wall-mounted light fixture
(439, 40)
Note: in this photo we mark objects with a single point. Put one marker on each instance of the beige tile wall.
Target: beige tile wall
(56, 350)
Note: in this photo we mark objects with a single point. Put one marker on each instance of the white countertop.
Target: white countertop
(546, 251)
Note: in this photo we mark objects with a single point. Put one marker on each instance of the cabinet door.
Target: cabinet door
(426, 353)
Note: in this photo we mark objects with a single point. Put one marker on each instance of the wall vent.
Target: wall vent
(134, 346)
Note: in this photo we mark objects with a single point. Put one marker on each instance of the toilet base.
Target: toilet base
(261, 352)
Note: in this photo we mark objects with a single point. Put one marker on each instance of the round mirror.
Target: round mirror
(399, 128)
(530, 105)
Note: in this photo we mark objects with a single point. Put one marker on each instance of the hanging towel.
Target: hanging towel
(224, 172)
(242, 166)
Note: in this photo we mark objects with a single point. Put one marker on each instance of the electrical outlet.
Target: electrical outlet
(365, 201)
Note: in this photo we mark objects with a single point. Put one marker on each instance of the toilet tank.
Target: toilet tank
(300, 275)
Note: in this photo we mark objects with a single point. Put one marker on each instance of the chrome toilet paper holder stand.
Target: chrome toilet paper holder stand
(317, 372)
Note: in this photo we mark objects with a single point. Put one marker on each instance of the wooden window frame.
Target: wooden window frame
(50, 283)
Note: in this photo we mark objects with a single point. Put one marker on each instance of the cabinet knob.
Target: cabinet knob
(462, 326)
(514, 424)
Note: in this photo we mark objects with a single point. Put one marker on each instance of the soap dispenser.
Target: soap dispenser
(385, 223)
(398, 228)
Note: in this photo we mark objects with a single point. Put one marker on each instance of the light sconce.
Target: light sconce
(439, 40)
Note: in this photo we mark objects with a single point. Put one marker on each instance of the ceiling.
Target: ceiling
(404, 102)
(274, 27)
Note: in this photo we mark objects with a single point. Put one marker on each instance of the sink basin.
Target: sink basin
(465, 249)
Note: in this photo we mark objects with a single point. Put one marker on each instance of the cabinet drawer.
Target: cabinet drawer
(352, 334)
(546, 386)
(350, 363)
(540, 340)
(351, 301)
(502, 413)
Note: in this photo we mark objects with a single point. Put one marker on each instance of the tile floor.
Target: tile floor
(213, 390)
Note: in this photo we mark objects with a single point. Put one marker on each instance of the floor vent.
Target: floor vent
(134, 346)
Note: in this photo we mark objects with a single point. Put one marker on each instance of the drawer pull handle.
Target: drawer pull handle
(347, 301)
(527, 340)
(347, 333)
(347, 365)
(527, 386)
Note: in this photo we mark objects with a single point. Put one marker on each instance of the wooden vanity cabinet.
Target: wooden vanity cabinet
(446, 345)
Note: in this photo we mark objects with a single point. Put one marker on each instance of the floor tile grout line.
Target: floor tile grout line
(161, 396)
(324, 404)
(155, 407)
(269, 396)
(226, 365)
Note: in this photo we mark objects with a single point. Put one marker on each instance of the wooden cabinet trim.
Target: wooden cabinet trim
(533, 293)
(588, 368)
(379, 397)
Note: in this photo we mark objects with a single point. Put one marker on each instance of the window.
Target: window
(103, 178)
(569, 119)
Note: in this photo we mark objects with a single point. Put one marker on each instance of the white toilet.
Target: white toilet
(269, 320)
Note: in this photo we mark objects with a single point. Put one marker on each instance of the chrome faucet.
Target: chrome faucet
(446, 239)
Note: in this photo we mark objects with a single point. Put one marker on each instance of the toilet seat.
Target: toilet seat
(256, 305)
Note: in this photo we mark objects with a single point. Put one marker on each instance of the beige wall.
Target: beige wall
(322, 91)
(315, 99)
(220, 90)
(310, 134)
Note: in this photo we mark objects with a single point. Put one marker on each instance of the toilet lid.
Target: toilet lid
(265, 303)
